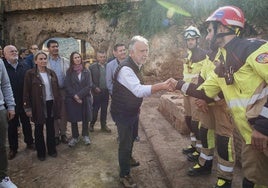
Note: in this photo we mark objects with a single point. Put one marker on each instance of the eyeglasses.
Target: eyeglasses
(190, 34)
(34, 48)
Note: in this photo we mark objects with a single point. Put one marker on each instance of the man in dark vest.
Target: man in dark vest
(16, 71)
(128, 93)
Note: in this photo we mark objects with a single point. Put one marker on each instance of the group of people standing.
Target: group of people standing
(210, 124)
(230, 89)
(223, 88)
(49, 92)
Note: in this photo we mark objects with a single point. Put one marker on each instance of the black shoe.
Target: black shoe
(53, 155)
(57, 141)
(198, 170)
(91, 128)
(106, 129)
(64, 139)
(222, 183)
(41, 158)
(193, 157)
(12, 154)
(189, 149)
(133, 162)
(30, 146)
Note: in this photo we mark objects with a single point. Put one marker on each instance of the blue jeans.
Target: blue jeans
(3, 135)
(125, 126)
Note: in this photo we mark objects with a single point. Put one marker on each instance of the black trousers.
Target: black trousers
(13, 130)
(50, 134)
(100, 101)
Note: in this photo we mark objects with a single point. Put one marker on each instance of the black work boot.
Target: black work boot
(189, 149)
(223, 183)
(198, 170)
(193, 157)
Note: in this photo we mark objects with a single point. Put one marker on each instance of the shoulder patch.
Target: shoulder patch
(262, 58)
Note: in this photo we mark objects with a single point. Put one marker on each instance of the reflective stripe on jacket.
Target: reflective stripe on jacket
(249, 61)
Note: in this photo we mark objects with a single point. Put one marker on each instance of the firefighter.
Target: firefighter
(191, 69)
(242, 76)
(215, 125)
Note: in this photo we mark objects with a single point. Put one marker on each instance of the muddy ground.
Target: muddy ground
(96, 166)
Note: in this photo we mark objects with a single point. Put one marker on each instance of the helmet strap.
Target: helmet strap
(232, 31)
(220, 35)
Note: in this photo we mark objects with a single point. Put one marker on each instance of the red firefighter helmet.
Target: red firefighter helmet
(228, 16)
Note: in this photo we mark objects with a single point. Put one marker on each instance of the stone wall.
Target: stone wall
(23, 29)
(22, 5)
(36, 22)
(171, 106)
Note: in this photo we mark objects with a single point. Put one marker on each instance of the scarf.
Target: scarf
(78, 68)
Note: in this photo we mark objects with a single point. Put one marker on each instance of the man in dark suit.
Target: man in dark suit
(99, 91)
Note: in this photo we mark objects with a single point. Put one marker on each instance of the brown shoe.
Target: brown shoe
(106, 129)
(127, 181)
(133, 162)
(12, 154)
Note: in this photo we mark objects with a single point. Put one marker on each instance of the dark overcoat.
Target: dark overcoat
(34, 98)
(16, 77)
(73, 86)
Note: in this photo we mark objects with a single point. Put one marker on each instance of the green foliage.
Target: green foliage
(113, 9)
(256, 11)
(149, 17)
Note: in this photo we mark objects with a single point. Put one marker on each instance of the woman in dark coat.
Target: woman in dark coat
(41, 102)
(77, 85)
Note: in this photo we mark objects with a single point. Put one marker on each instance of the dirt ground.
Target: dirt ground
(96, 166)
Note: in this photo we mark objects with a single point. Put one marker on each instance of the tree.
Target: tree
(150, 17)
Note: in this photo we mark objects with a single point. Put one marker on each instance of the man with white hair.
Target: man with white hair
(128, 92)
(16, 71)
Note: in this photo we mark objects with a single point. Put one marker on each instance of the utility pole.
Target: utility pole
(1, 23)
